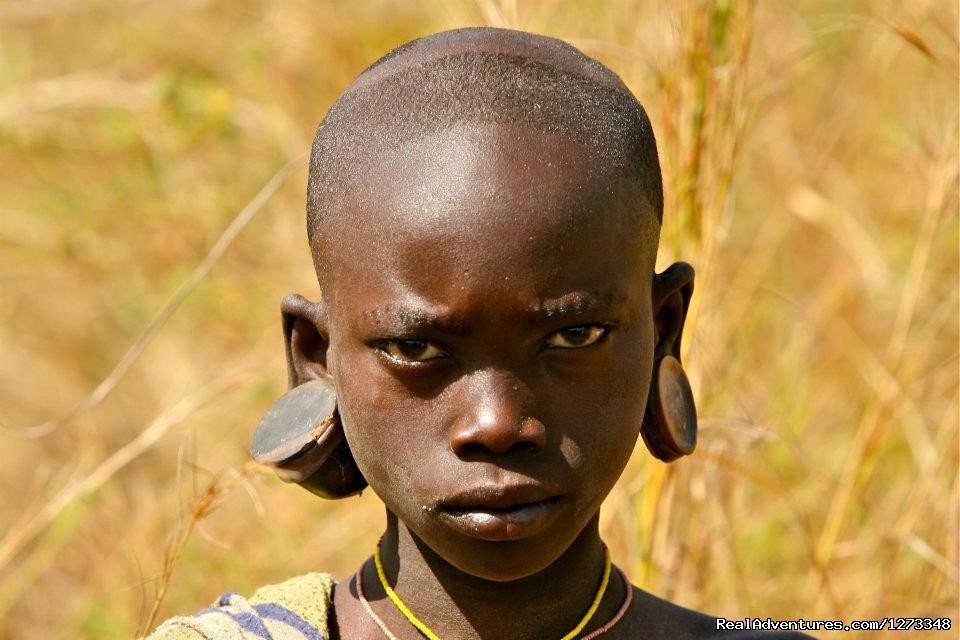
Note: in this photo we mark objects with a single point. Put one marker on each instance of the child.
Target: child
(484, 208)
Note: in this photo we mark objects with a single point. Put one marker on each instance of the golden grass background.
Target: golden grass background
(810, 161)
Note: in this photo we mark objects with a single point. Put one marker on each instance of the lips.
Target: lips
(500, 513)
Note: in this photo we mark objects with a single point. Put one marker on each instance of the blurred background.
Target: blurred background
(152, 187)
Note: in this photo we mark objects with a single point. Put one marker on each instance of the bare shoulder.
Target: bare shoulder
(655, 618)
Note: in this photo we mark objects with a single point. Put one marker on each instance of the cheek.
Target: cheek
(606, 416)
(383, 428)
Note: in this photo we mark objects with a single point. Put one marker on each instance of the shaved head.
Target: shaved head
(484, 76)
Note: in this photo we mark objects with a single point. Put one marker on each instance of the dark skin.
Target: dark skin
(490, 320)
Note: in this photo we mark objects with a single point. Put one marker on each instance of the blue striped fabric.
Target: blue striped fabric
(294, 610)
(273, 611)
(264, 620)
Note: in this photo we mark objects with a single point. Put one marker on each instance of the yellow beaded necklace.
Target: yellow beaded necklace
(426, 631)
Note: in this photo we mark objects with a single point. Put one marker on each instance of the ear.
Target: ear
(670, 423)
(306, 339)
(672, 290)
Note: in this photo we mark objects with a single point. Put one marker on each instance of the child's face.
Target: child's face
(491, 340)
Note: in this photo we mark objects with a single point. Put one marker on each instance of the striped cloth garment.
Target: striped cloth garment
(293, 610)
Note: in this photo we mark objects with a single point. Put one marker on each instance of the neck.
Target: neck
(454, 604)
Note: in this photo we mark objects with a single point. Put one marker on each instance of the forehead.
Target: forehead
(473, 175)
(487, 200)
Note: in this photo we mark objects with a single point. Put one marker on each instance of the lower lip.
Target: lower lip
(501, 525)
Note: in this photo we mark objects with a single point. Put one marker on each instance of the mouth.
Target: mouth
(499, 515)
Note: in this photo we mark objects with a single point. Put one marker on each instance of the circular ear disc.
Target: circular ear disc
(670, 425)
(301, 438)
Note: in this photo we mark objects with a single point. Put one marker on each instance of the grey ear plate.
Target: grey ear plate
(299, 432)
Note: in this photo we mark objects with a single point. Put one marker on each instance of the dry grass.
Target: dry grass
(810, 161)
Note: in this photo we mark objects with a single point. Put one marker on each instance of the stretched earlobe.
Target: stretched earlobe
(301, 436)
(670, 423)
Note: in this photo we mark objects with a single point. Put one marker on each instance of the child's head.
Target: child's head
(484, 210)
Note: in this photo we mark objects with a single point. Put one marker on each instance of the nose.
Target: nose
(497, 418)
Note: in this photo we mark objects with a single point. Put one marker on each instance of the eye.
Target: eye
(577, 337)
(411, 351)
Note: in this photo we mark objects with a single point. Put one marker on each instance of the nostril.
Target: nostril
(525, 447)
(471, 450)
(533, 434)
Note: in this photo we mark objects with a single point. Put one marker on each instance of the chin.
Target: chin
(499, 561)
(502, 569)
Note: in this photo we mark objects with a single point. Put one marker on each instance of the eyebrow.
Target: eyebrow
(575, 303)
(397, 317)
